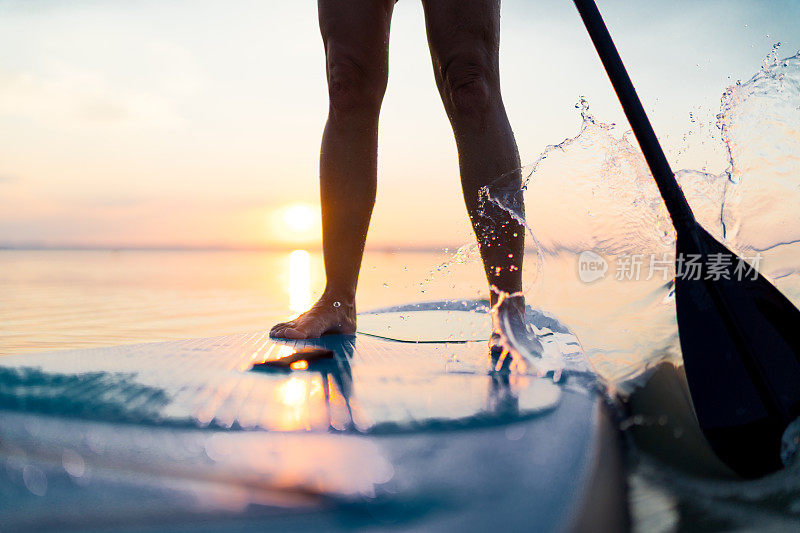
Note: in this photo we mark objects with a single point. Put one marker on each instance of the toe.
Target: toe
(291, 333)
(277, 328)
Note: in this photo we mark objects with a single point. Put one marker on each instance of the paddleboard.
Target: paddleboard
(379, 431)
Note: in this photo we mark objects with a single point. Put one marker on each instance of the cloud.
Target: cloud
(7, 178)
(67, 96)
(109, 202)
(173, 68)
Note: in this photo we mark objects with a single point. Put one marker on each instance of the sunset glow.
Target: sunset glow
(296, 223)
(187, 138)
(299, 281)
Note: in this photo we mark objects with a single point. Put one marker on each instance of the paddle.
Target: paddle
(740, 337)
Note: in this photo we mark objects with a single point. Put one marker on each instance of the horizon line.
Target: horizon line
(209, 248)
(218, 248)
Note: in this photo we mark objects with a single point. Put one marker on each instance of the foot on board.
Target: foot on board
(324, 317)
(511, 329)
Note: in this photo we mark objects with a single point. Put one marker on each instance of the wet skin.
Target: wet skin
(463, 37)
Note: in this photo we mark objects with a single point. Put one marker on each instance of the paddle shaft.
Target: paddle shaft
(682, 217)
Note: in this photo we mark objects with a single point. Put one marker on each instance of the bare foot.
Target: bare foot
(327, 316)
(511, 330)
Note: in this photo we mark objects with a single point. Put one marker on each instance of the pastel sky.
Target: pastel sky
(197, 122)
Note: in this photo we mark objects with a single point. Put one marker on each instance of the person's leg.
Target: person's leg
(356, 38)
(464, 37)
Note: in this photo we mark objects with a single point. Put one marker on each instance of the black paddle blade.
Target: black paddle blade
(740, 339)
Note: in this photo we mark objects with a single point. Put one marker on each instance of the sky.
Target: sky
(197, 122)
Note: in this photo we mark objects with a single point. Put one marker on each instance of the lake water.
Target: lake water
(73, 299)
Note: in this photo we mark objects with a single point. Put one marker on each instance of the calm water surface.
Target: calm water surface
(73, 299)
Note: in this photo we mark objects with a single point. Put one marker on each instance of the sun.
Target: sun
(299, 218)
(297, 222)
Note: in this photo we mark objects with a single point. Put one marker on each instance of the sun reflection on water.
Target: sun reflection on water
(304, 407)
(299, 281)
(294, 392)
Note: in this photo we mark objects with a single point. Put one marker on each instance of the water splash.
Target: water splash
(594, 192)
(760, 125)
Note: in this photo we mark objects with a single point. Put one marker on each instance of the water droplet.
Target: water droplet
(515, 432)
(35, 480)
(73, 463)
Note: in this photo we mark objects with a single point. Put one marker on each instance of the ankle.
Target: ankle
(515, 302)
(341, 300)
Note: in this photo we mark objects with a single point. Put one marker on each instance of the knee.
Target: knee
(354, 87)
(469, 86)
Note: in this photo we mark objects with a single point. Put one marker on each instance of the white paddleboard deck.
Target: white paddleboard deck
(184, 435)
